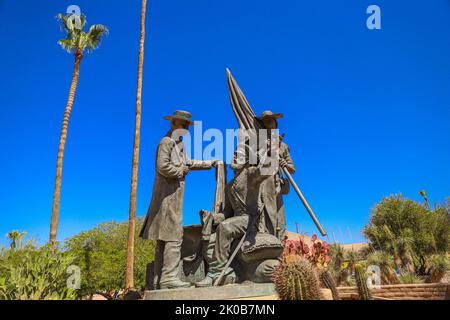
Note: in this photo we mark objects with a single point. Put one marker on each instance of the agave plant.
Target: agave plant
(410, 278)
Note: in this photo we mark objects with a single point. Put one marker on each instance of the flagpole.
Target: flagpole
(305, 203)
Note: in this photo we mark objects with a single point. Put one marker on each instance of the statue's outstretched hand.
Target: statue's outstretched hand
(216, 163)
(185, 170)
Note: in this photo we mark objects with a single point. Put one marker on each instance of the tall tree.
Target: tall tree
(409, 231)
(129, 276)
(76, 42)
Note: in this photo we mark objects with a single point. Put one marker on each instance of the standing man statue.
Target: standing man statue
(272, 189)
(164, 220)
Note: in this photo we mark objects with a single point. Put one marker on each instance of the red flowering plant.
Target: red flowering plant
(318, 253)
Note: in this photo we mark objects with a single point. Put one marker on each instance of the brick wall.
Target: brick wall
(432, 291)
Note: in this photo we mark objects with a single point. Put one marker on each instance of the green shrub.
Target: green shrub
(32, 273)
(409, 231)
(439, 264)
(101, 255)
(410, 278)
(386, 264)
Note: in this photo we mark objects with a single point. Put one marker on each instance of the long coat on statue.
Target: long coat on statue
(272, 198)
(164, 220)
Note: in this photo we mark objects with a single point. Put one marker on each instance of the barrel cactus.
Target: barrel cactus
(328, 282)
(295, 279)
(361, 282)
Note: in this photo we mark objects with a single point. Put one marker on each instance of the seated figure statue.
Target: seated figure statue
(244, 214)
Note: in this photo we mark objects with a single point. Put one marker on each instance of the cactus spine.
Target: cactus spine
(296, 280)
(361, 282)
(328, 282)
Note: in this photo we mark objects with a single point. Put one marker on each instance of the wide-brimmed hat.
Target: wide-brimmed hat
(181, 115)
(270, 114)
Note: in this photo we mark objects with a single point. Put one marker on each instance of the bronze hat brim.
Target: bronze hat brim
(274, 116)
(191, 123)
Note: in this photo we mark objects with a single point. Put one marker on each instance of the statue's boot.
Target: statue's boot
(170, 266)
(176, 284)
(206, 282)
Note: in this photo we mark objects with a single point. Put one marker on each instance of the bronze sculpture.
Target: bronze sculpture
(242, 237)
(163, 222)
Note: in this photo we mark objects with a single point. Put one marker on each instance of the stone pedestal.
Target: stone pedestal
(232, 291)
(250, 291)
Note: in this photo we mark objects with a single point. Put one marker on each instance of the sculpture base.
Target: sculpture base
(255, 291)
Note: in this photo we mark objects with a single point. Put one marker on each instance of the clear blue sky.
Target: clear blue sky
(366, 112)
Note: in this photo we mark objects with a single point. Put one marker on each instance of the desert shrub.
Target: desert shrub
(351, 258)
(386, 264)
(337, 263)
(349, 281)
(337, 256)
(33, 273)
(439, 264)
(409, 231)
(410, 278)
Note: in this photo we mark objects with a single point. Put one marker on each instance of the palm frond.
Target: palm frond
(67, 44)
(68, 22)
(76, 38)
(62, 22)
(94, 36)
(83, 21)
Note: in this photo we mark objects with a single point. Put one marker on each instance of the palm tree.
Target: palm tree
(129, 277)
(75, 42)
(16, 239)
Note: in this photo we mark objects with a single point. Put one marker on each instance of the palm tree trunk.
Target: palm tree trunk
(129, 276)
(62, 143)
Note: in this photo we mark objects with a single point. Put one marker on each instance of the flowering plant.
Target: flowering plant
(317, 253)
